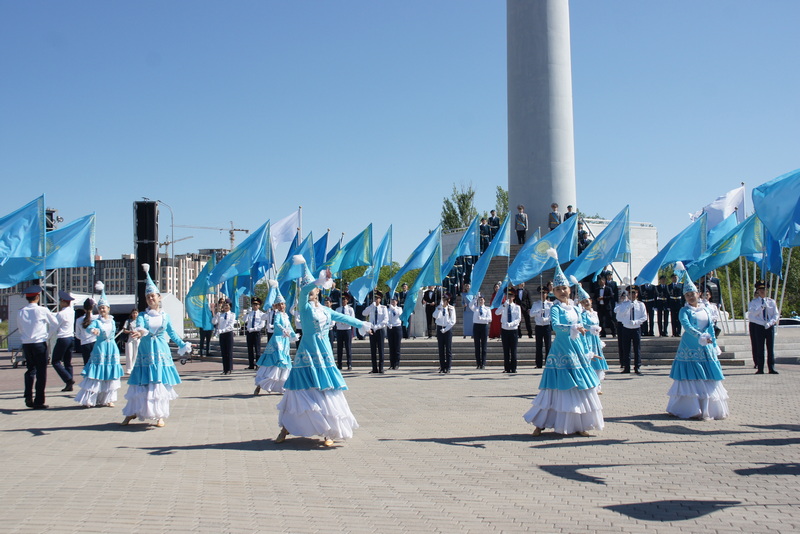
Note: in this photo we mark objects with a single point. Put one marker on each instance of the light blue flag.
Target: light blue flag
(197, 304)
(320, 248)
(360, 287)
(613, 244)
(532, 258)
(69, 246)
(770, 259)
(233, 290)
(746, 239)
(291, 270)
(777, 204)
(722, 229)
(252, 253)
(417, 258)
(501, 293)
(468, 245)
(22, 232)
(429, 275)
(355, 253)
(332, 252)
(687, 246)
(500, 246)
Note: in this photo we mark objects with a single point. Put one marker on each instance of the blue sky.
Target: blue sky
(368, 112)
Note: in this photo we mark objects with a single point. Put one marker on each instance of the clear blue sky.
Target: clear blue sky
(366, 111)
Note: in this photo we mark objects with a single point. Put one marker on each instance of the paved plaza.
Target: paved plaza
(435, 453)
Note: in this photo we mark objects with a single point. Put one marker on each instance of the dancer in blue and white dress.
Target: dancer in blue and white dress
(102, 373)
(594, 345)
(567, 399)
(697, 391)
(150, 383)
(313, 403)
(276, 362)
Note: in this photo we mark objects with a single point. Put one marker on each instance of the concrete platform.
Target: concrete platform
(435, 453)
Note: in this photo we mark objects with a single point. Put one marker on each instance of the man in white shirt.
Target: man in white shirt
(377, 316)
(481, 320)
(225, 321)
(762, 313)
(65, 337)
(344, 333)
(254, 323)
(394, 332)
(35, 324)
(510, 316)
(540, 312)
(445, 317)
(631, 314)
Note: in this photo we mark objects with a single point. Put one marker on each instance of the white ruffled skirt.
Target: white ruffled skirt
(311, 412)
(272, 378)
(150, 401)
(97, 392)
(701, 399)
(566, 411)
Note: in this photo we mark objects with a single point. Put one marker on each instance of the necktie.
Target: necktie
(632, 306)
(225, 316)
(375, 315)
(764, 310)
(509, 313)
(253, 321)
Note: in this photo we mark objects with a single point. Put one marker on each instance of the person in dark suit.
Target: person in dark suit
(662, 306)
(604, 301)
(647, 293)
(554, 218)
(485, 233)
(523, 298)
(430, 298)
(675, 301)
(336, 296)
(494, 224)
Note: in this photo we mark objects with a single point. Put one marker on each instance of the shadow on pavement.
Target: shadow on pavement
(572, 472)
(770, 469)
(774, 442)
(670, 510)
(255, 445)
(469, 441)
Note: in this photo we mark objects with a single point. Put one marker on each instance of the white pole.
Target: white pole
(785, 279)
(745, 287)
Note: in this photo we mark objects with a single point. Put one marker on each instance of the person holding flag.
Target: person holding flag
(567, 399)
(697, 391)
(591, 322)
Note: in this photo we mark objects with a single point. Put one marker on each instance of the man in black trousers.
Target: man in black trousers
(35, 324)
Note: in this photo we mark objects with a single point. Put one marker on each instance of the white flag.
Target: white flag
(284, 230)
(723, 206)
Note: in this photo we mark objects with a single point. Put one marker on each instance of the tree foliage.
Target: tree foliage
(501, 202)
(459, 210)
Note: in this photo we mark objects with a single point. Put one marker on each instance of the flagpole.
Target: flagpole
(730, 299)
(785, 278)
(745, 283)
(300, 220)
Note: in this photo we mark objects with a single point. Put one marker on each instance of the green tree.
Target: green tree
(501, 202)
(459, 210)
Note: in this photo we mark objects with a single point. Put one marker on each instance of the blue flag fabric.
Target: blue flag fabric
(468, 245)
(69, 246)
(22, 232)
(500, 246)
(355, 253)
(320, 248)
(253, 252)
(197, 304)
(770, 259)
(613, 244)
(777, 204)
(429, 275)
(687, 246)
(360, 287)
(233, 289)
(418, 258)
(532, 258)
(291, 270)
(721, 229)
(746, 239)
(332, 252)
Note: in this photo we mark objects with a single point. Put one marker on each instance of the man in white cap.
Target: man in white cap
(62, 353)
(35, 324)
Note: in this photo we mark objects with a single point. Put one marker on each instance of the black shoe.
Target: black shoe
(773, 372)
(638, 372)
(447, 371)
(40, 406)
(626, 371)
(29, 403)
(252, 367)
(69, 385)
(349, 368)
(759, 372)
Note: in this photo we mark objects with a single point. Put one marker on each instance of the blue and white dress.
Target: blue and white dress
(567, 401)
(102, 372)
(697, 390)
(153, 375)
(275, 363)
(594, 345)
(313, 403)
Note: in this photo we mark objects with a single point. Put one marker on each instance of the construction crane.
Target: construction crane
(230, 230)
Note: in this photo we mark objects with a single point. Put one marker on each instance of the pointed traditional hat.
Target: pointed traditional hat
(582, 294)
(101, 287)
(558, 279)
(150, 286)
